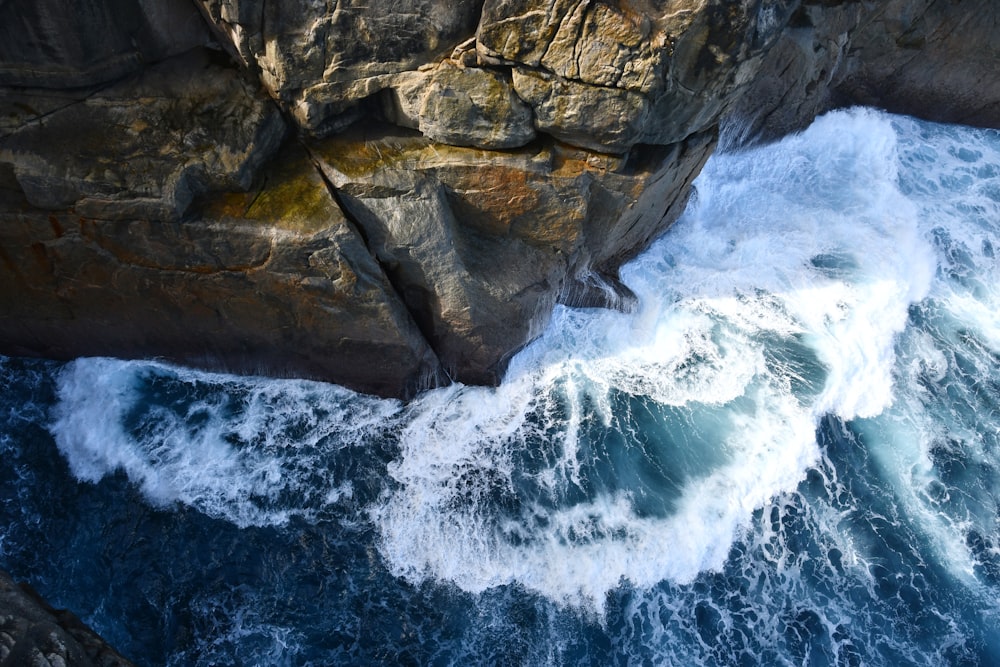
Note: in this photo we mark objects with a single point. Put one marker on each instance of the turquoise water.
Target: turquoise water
(786, 456)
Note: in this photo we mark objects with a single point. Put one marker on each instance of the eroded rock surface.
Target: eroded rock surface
(33, 633)
(481, 245)
(389, 195)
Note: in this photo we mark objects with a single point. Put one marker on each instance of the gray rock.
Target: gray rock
(274, 281)
(145, 147)
(77, 43)
(461, 106)
(32, 632)
(482, 244)
(537, 145)
(937, 60)
(319, 57)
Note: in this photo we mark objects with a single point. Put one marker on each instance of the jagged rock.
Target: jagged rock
(481, 244)
(274, 281)
(318, 57)
(461, 106)
(77, 43)
(608, 76)
(608, 120)
(34, 633)
(145, 147)
(551, 140)
(938, 60)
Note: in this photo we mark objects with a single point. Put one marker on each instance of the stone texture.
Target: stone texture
(937, 59)
(461, 106)
(318, 57)
(504, 155)
(34, 633)
(76, 43)
(482, 244)
(274, 281)
(144, 147)
(606, 76)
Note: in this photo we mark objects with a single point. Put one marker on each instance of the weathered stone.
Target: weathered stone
(608, 120)
(32, 632)
(274, 281)
(310, 54)
(608, 76)
(482, 244)
(604, 111)
(935, 59)
(795, 81)
(145, 147)
(76, 43)
(461, 106)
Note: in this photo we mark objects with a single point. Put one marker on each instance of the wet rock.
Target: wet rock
(937, 60)
(34, 633)
(482, 244)
(487, 160)
(274, 281)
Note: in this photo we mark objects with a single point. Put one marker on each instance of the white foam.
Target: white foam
(953, 175)
(806, 249)
(809, 240)
(246, 451)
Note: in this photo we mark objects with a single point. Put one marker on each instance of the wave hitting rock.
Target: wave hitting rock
(392, 196)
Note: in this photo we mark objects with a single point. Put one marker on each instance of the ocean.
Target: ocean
(787, 454)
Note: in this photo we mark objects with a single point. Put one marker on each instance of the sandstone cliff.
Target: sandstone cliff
(391, 195)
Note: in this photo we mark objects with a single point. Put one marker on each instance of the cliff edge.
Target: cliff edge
(394, 195)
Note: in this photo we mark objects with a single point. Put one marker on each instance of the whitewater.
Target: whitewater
(787, 454)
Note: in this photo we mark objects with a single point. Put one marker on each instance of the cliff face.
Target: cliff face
(33, 633)
(388, 195)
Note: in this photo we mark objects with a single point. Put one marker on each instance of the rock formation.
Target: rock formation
(391, 195)
(33, 633)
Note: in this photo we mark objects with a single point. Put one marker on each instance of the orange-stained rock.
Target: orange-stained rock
(482, 244)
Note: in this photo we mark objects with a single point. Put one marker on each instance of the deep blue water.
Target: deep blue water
(787, 456)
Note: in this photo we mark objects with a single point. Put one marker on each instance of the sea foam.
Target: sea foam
(622, 446)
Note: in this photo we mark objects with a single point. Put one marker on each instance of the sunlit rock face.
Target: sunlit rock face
(394, 195)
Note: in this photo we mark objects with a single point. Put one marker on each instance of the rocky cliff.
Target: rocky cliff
(33, 633)
(393, 195)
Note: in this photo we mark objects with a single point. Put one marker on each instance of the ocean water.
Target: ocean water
(787, 455)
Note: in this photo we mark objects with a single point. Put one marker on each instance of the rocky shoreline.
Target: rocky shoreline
(32, 632)
(395, 196)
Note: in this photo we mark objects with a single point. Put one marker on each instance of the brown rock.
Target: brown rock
(318, 58)
(482, 244)
(145, 147)
(461, 106)
(274, 282)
